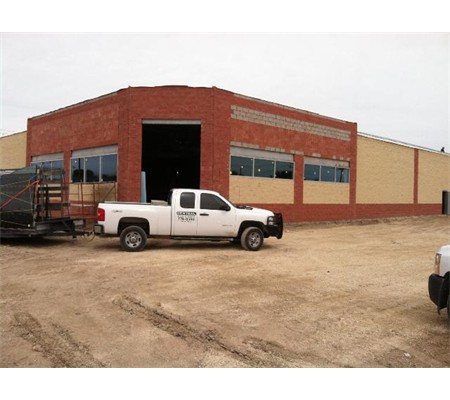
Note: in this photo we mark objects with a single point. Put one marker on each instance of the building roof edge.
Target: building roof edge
(400, 143)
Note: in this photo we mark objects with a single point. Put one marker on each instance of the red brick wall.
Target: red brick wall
(117, 119)
(181, 103)
(90, 124)
(308, 144)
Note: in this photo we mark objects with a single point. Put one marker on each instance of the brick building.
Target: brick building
(306, 165)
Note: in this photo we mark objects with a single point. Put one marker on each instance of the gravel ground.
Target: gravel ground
(325, 295)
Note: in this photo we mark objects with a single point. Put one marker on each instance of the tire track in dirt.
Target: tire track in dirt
(175, 326)
(56, 343)
(273, 349)
(272, 354)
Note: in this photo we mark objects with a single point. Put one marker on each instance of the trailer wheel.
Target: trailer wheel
(133, 238)
(252, 238)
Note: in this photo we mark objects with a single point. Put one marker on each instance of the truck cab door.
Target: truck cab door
(216, 218)
(184, 214)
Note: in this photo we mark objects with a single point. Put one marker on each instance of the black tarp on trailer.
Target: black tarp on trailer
(33, 202)
(17, 191)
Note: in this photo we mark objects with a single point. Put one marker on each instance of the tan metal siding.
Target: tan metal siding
(325, 193)
(13, 151)
(434, 176)
(385, 173)
(261, 190)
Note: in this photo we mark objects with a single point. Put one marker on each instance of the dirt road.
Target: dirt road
(326, 295)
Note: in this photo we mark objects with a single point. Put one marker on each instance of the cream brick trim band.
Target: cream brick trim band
(242, 144)
(271, 103)
(278, 121)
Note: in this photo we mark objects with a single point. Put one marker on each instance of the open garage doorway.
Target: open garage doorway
(170, 156)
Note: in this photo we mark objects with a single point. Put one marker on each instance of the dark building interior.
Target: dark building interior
(170, 158)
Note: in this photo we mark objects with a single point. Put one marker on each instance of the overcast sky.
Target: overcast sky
(391, 85)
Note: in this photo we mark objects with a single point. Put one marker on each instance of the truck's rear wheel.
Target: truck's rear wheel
(133, 238)
(252, 238)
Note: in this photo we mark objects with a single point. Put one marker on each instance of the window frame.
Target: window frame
(49, 158)
(304, 172)
(292, 172)
(345, 174)
(262, 158)
(324, 171)
(252, 167)
(323, 163)
(96, 160)
(100, 167)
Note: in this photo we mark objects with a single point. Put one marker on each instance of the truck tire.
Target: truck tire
(133, 238)
(252, 238)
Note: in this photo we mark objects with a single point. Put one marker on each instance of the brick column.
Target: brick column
(416, 177)
(298, 178)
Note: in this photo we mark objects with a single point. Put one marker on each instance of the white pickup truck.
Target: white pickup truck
(439, 281)
(188, 214)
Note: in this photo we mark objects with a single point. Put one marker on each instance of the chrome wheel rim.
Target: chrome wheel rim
(254, 239)
(133, 239)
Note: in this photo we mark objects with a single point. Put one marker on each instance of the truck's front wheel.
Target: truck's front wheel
(133, 238)
(252, 238)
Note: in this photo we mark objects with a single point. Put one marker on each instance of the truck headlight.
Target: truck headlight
(271, 220)
(437, 263)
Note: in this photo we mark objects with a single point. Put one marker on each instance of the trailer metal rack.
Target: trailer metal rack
(34, 202)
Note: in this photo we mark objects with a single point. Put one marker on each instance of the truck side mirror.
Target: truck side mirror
(225, 207)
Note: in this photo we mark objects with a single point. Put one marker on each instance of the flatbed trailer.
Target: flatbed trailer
(34, 203)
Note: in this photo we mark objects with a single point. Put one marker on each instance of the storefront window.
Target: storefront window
(77, 169)
(94, 169)
(52, 168)
(312, 172)
(109, 168)
(325, 173)
(284, 170)
(261, 168)
(264, 168)
(342, 175)
(242, 166)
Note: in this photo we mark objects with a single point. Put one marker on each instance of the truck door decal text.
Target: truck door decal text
(186, 216)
